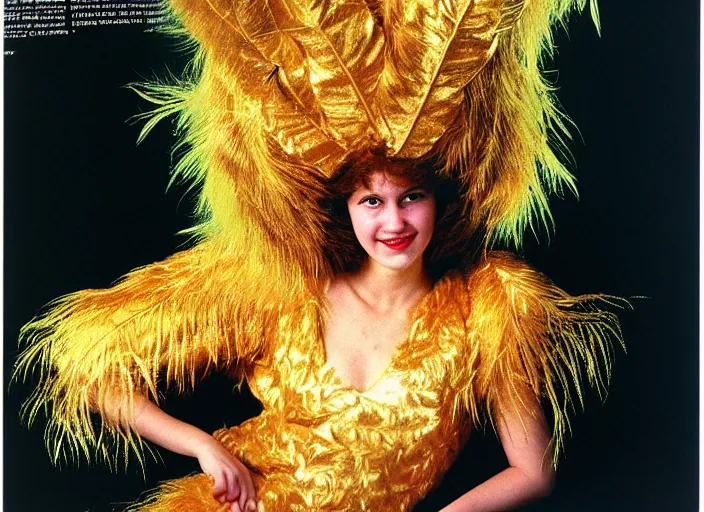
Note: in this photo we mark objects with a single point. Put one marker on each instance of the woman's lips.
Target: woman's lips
(398, 244)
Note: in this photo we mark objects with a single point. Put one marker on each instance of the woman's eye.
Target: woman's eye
(413, 197)
(371, 201)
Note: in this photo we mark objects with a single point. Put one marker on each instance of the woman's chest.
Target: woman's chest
(405, 366)
(358, 344)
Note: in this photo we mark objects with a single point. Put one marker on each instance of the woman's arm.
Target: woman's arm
(530, 339)
(530, 475)
(231, 480)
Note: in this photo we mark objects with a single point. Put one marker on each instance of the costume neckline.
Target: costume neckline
(329, 371)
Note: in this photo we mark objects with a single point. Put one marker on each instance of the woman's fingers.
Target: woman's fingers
(220, 485)
(247, 499)
(234, 487)
(232, 481)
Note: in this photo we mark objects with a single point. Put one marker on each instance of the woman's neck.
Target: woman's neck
(384, 289)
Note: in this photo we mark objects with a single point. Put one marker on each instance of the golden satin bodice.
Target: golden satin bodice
(321, 445)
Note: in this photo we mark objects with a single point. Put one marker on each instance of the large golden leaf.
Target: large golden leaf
(313, 65)
(291, 113)
(434, 49)
(342, 50)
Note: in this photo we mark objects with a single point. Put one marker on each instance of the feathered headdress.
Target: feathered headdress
(280, 94)
(283, 92)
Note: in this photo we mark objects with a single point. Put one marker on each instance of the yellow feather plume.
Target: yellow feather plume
(532, 335)
(164, 325)
(503, 144)
(286, 91)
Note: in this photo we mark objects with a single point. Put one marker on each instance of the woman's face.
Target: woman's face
(393, 219)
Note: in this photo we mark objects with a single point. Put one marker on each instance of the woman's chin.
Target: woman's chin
(395, 262)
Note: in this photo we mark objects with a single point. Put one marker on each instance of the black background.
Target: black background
(84, 204)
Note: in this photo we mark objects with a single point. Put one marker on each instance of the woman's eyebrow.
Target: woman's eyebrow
(414, 187)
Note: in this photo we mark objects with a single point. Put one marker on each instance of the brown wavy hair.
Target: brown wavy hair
(455, 244)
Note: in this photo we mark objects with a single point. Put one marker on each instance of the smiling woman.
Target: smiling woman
(393, 220)
(342, 265)
(396, 213)
(451, 242)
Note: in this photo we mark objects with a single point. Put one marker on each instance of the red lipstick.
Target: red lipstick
(398, 244)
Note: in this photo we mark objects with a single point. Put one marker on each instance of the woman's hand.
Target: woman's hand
(231, 480)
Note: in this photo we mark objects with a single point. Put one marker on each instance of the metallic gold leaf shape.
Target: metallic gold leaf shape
(434, 49)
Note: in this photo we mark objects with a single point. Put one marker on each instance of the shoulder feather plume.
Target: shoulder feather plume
(532, 335)
(163, 326)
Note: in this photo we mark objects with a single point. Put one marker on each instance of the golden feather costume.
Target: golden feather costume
(280, 95)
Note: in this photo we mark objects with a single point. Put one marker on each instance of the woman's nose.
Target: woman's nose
(393, 219)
